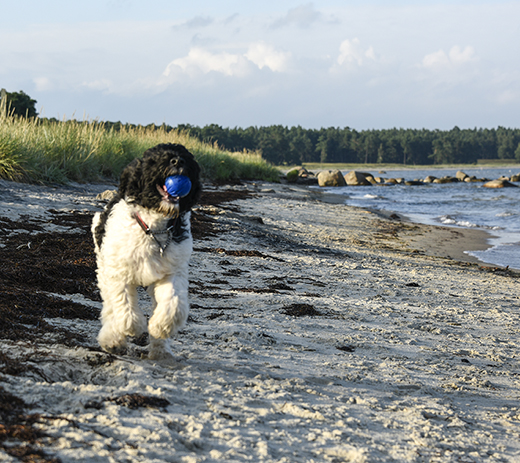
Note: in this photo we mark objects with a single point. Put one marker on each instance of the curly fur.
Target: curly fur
(127, 257)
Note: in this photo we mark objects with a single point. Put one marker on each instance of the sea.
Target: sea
(465, 205)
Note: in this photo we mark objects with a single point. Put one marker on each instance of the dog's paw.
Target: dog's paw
(115, 350)
(134, 324)
(159, 349)
(111, 342)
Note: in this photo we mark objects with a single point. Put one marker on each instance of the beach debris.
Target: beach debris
(346, 348)
(300, 310)
(19, 437)
(139, 400)
(133, 401)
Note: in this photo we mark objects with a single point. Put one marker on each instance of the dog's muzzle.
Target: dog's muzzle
(175, 187)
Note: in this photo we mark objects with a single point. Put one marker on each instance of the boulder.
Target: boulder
(429, 179)
(515, 178)
(461, 176)
(446, 180)
(292, 176)
(107, 195)
(370, 178)
(303, 172)
(500, 183)
(413, 182)
(331, 178)
(301, 176)
(354, 178)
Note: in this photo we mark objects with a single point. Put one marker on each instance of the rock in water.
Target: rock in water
(357, 178)
(500, 183)
(331, 178)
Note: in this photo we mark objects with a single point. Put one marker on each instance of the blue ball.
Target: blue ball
(178, 185)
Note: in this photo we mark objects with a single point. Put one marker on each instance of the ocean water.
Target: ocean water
(466, 205)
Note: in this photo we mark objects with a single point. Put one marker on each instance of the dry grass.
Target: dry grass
(34, 150)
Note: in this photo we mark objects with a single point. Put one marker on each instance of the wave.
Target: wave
(449, 220)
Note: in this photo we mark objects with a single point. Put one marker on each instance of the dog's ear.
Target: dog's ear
(130, 181)
(193, 197)
(194, 174)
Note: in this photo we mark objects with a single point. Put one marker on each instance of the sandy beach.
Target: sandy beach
(318, 332)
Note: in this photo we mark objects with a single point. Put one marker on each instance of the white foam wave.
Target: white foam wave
(448, 220)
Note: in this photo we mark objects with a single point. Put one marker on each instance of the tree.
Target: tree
(300, 147)
(18, 104)
(506, 143)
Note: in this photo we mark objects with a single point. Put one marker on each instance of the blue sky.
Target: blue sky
(362, 64)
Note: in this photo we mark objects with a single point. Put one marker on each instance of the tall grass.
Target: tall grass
(41, 151)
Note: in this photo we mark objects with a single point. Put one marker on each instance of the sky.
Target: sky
(361, 64)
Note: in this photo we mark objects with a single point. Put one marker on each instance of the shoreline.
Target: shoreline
(440, 241)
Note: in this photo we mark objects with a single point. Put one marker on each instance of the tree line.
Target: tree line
(296, 145)
(280, 145)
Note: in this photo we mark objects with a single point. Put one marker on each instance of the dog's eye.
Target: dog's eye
(177, 162)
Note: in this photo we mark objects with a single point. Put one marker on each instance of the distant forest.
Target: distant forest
(295, 145)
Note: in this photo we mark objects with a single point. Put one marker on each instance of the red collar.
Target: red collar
(149, 231)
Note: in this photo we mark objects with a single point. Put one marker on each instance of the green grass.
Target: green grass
(41, 151)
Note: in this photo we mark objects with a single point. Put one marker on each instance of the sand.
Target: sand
(318, 333)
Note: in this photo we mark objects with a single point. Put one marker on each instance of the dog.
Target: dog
(143, 238)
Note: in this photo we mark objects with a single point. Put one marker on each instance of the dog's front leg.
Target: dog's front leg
(120, 316)
(170, 313)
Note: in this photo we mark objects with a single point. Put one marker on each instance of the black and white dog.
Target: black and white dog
(143, 238)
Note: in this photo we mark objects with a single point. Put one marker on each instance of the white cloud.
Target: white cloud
(455, 57)
(436, 60)
(42, 84)
(199, 59)
(264, 55)
(352, 53)
(458, 56)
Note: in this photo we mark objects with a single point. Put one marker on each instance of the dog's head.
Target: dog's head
(143, 180)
